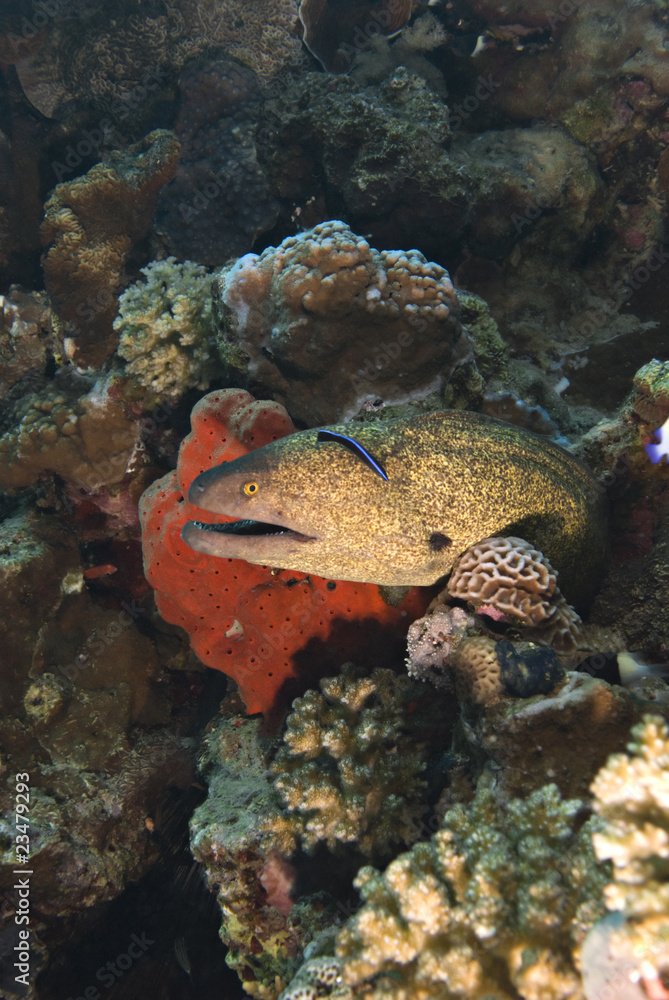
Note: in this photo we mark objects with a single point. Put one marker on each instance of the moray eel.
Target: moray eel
(453, 478)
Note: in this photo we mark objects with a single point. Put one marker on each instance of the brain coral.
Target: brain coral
(494, 905)
(90, 226)
(518, 580)
(350, 768)
(328, 322)
(165, 327)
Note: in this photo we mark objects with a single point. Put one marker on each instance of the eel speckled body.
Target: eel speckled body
(454, 478)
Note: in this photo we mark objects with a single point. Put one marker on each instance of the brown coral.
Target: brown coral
(27, 341)
(328, 322)
(477, 670)
(121, 56)
(90, 227)
(517, 579)
(87, 440)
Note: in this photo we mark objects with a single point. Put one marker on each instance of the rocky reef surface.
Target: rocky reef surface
(224, 222)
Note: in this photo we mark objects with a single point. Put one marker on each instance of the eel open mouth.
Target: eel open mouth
(256, 528)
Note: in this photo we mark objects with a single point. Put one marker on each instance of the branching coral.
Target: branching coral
(632, 798)
(165, 327)
(495, 905)
(328, 322)
(349, 770)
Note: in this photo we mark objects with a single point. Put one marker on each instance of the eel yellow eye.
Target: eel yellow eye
(250, 488)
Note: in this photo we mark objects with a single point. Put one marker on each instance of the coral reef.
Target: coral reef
(91, 225)
(500, 894)
(631, 797)
(637, 584)
(220, 199)
(565, 736)
(272, 631)
(335, 34)
(327, 322)
(27, 342)
(124, 59)
(86, 439)
(350, 768)
(165, 330)
(386, 154)
(485, 669)
(265, 943)
(85, 714)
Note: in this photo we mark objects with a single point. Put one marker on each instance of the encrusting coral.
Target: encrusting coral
(220, 199)
(350, 768)
(252, 882)
(27, 341)
(86, 439)
(272, 631)
(164, 323)
(328, 322)
(91, 225)
(123, 58)
(631, 797)
(496, 904)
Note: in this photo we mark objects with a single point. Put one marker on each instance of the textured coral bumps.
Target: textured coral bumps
(270, 630)
(329, 323)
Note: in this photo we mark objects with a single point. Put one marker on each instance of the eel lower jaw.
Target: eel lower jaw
(241, 539)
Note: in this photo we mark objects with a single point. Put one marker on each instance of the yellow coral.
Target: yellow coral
(348, 771)
(500, 894)
(632, 798)
(86, 440)
(165, 326)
